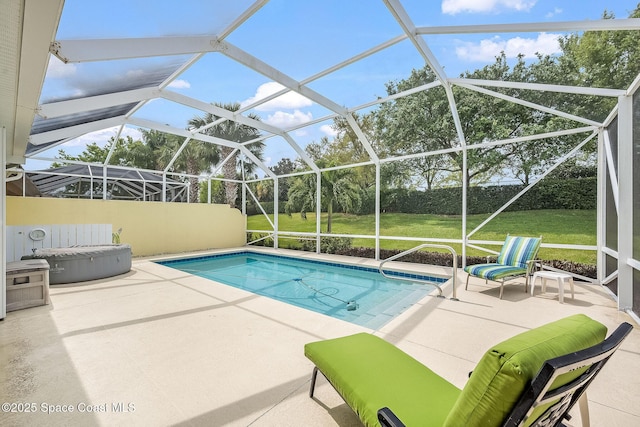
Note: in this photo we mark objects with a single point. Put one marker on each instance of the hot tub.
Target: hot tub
(82, 263)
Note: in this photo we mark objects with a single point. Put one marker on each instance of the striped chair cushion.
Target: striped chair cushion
(516, 251)
(494, 271)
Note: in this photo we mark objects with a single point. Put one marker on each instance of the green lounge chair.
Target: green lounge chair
(516, 259)
(532, 379)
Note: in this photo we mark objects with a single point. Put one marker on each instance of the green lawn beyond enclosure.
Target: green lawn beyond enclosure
(556, 226)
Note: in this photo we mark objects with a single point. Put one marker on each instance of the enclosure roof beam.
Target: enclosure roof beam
(535, 137)
(75, 131)
(35, 151)
(149, 124)
(329, 70)
(634, 85)
(276, 75)
(489, 144)
(234, 116)
(220, 165)
(80, 105)
(88, 50)
(542, 87)
(535, 27)
(177, 153)
(401, 15)
(303, 154)
(531, 105)
(402, 94)
(248, 13)
(181, 69)
(218, 111)
(112, 149)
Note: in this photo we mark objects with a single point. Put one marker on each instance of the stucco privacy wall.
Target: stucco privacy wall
(150, 228)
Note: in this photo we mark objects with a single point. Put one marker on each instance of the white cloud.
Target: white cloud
(283, 119)
(58, 69)
(554, 12)
(328, 130)
(487, 49)
(101, 137)
(180, 84)
(288, 101)
(452, 7)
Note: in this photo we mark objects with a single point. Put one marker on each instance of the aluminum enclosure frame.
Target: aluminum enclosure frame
(195, 47)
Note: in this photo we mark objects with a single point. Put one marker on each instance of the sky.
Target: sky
(300, 39)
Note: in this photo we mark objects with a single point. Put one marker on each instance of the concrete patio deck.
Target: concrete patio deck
(159, 347)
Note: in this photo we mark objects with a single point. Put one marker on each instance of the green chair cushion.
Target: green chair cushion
(506, 370)
(370, 373)
(494, 271)
(516, 251)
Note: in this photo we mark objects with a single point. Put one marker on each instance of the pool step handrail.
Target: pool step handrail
(417, 248)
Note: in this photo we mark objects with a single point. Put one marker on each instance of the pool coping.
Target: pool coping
(397, 273)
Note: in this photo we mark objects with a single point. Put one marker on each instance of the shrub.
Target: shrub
(444, 259)
(268, 242)
(328, 245)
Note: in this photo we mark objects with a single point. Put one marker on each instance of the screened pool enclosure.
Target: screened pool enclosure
(296, 82)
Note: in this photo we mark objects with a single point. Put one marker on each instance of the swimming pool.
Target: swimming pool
(357, 294)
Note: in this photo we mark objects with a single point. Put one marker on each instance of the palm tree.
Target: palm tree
(195, 158)
(338, 189)
(231, 131)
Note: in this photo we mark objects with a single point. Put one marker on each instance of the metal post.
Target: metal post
(464, 207)
(164, 186)
(377, 250)
(276, 211)
(601, 212)
(625, 202)
(318, 210)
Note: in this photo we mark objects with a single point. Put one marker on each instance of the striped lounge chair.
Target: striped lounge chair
(516, 259)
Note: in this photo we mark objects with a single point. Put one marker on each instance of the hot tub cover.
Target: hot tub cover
(82, 263)
(80, 251)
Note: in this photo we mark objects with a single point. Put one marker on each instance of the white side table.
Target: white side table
(561, 278)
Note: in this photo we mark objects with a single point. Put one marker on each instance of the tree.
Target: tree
(124, 153)
(195, 158)
(283, 167)
(422, 122)
(609, 59)
(346, 147)
(605, 58)
(338, 189)
(234, 132)
(217, 191)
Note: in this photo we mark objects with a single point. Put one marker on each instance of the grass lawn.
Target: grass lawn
(556, 226)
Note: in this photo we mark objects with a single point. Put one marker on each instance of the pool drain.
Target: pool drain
(351, 305)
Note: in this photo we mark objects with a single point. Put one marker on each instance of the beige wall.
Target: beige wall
(151, 228)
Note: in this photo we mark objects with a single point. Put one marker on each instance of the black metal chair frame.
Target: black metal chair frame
(539, 393)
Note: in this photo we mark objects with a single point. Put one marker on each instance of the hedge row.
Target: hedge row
(549, 193)
(437, 258)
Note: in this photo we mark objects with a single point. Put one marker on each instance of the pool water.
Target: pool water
(356, 294)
